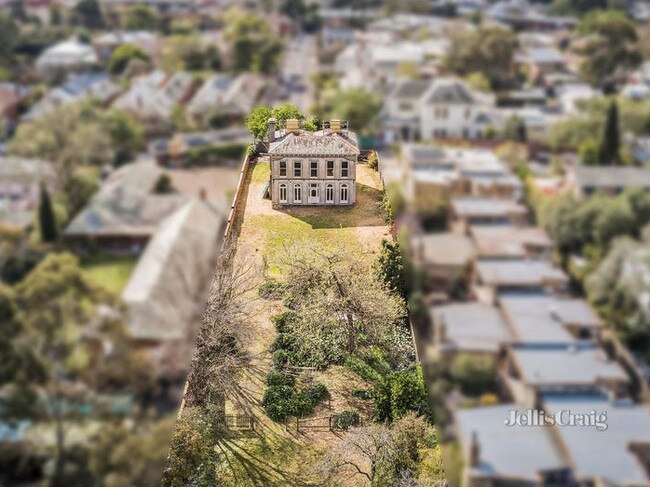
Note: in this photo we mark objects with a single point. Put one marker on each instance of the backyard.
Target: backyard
(111, 272)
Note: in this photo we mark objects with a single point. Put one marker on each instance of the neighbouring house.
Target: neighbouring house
(230, 99)
(176, 149)
(312, 168)
(126, 211)
(498, 454)
(446, 259)
(472, 210)
(472, 327)
(11, 97)
(153, 98)
(77, 87)
(606, 445)
(107, 42)
(66, 56)
(543, 319)
(436, 173)
(439, 108)
(492, 277)
(165, 295)
(587, 180)
(508, 242)
(20, 181)
(571, 96)
(540, 61)
(613, 448)
(531, 370)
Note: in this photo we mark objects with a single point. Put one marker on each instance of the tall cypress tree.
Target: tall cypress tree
(610, 144)
(46, 219)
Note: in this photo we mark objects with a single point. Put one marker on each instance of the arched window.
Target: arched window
(344, 193)
(329, 193)
(297, 193)
(283, 193)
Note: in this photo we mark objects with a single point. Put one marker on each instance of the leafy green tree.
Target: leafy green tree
(515, 129)
(257, 121)
(579, 7)
(126, 133)
(88, 13)
(46, 220)
(82, 186)
(612, 49)
(487, 50)
(358, 106)
(610, 146)
(8, 40)
(123, 55)
(141, 17)
(589, 152)
(389, 268)
(255, 46)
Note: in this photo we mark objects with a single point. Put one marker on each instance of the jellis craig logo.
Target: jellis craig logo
(562, 418)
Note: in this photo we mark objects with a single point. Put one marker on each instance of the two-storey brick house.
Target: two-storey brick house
(313, 168)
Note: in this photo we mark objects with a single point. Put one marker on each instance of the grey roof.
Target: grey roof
(474, 327)
(508, 241)
(536, 318)
(308, 143)
(449, 91)
(545, 55)
(125, 204)
(612, 177)
(411, 89)
(507, 451)
(444, 249)
(165, 291)
(519, 273)
(424, 156)
(543, 366)
(471, 206)
(604, 454)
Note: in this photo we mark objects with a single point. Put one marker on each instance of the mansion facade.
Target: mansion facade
(312, 168)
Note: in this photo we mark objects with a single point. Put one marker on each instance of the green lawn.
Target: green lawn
(111, 272)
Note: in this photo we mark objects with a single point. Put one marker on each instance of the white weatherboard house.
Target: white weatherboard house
(313, 168)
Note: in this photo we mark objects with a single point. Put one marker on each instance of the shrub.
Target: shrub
(278, 378)
(280, 359)
(363, 394)
(362, 369)
(373, 161)
(271, 289)
(474, 373)
(283, 322)
(347, 419)
(209, 155)
(317, 393)
(277, 402)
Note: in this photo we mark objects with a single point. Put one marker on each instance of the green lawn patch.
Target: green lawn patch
(111, 272)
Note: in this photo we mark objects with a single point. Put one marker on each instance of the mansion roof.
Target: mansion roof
(317, 143)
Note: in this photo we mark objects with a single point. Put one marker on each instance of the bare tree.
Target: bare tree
(222, 356)
(335, 292)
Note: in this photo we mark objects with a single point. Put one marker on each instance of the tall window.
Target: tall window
(345, 169)
(297, 169)
(329, 193)
(330, 169)
(283, 193)
(283, 168)
(297, 193)
(313, 169)
(344, 193)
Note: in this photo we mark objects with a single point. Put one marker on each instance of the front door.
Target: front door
(313, 194)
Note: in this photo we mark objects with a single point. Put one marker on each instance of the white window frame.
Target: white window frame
(297, 169)
(327, 169)
(283, 193)
(311, 169)
(283, 169)
(345, 169)
(297, 193)
(329, 193)
(344, 191)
